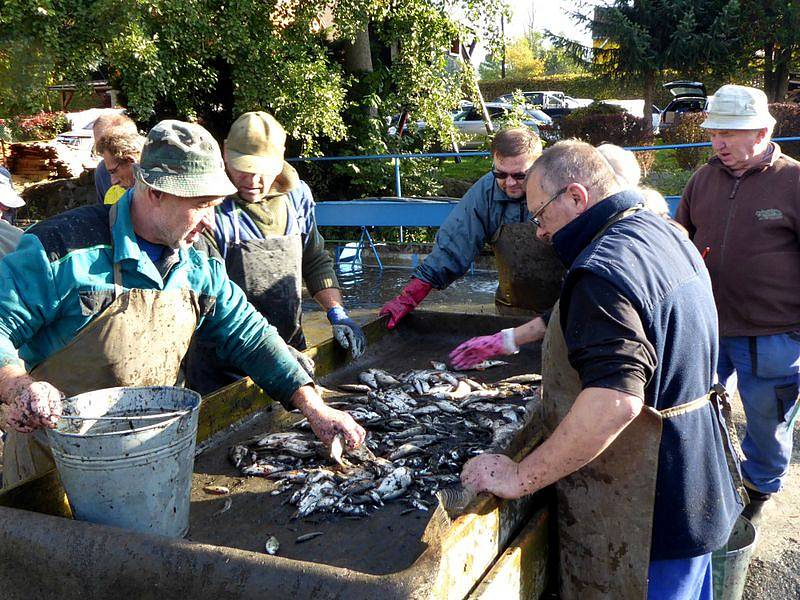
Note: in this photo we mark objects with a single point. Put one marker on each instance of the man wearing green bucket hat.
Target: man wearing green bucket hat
(103, 296)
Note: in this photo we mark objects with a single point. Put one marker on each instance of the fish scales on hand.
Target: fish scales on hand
(422, 426)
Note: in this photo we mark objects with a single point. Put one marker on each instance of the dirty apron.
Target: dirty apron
(140, 339)
(269, 271)
(605, 509)
(529, 272)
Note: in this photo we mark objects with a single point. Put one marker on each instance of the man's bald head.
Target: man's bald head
(113, 123)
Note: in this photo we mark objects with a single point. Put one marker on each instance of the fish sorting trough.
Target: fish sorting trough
(422, 426)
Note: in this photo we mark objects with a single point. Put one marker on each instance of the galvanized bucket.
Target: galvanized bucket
(730, 563)
(125, 457)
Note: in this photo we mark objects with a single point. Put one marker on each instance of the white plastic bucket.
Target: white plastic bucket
(135, 469)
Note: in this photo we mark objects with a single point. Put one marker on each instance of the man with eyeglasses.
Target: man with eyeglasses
(493, 210)
(638, 446)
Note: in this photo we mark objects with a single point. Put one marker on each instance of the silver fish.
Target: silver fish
(394, 484)
(526, 378)
(439, 366)
(486, 364)
(225, 507)
(262, 469)
(337, 449)
(308, 536)
(355, 387)
(369, 379)
(403, 451)
(383, 379)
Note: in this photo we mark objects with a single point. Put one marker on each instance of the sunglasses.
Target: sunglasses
(503, 175)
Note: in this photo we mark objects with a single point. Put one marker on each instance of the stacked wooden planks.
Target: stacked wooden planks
(35, 161)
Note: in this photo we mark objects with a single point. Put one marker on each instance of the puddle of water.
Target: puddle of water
(366, 289)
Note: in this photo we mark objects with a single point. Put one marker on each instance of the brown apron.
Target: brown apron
(529, 272)
(605, 509)
(140, 339)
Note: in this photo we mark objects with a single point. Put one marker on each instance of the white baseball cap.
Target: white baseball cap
(738, 107)
(8, 195)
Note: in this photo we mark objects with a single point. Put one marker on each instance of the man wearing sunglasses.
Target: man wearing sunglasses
(493, 211)
(638, 449)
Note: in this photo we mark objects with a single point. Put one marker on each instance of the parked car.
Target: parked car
(555, 104)
(688, 97)
(469, 122)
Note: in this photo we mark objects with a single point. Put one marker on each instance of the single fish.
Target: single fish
(272, 545)
(217, 490)
(394, 484)
(337, 449)
(526, 378)
(404, 450)
(262, 469)
(383, 379)
(225, 507)
(308, 536)
(358, 388)
(438, 366)
(486, 364)
(369, 379)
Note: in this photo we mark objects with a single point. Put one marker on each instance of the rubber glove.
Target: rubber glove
(305, 362)
(478, 349)
(38, 406)
(347, 332)
(411, 296)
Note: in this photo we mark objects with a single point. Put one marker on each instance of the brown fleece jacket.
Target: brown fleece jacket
(748, 229)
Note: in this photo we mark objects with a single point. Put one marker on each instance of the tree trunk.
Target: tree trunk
(781, 75)
(769, 78)
(649, 93)
(357, 54)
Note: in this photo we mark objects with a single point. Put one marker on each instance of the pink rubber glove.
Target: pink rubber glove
(478, 349)
(38, 406)
(411, 296)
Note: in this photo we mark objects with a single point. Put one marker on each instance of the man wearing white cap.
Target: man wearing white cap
(742, 210)
(9, 201)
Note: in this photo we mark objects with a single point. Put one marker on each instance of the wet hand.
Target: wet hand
(478, 349)
(37, 406)
(326, 422)
(346, 332)
(493, 473)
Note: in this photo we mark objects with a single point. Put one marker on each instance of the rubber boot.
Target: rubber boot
(753, 512)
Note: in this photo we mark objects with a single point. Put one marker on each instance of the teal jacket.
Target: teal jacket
(61, 277)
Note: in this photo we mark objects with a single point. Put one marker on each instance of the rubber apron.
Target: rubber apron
(270, 272)
(140, 339)
(605, 509)
(529, 272)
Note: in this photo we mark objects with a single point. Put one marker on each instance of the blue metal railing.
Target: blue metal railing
(399, 212)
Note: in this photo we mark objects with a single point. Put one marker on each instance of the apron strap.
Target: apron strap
(733, 454)
(682, 409)
(112, 219)
(235, 220)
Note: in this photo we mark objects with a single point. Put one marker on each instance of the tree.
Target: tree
(326, 69)
(642, 38)
(774, 41)
(521, 61)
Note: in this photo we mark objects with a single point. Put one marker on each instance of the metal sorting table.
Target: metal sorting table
(384, 555)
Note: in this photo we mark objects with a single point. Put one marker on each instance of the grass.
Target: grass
(469, 169)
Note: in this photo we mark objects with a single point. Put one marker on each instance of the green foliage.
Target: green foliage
(214, 59)
(601, 123)
(687, 130)
(787, 124)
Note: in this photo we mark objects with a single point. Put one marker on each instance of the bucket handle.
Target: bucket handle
(177, 413)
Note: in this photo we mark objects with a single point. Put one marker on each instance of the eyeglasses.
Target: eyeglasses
(115, 169)
(534, 218)
(503, 175)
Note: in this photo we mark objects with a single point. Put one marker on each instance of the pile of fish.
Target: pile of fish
(422, 426)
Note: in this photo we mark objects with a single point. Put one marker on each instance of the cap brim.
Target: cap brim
(10, 198)
(188, 186)
(715, 121)
(250, 163)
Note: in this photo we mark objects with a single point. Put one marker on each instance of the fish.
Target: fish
(355, 387)
(262, 469)
(225, 507)
(486, 364)
(383, 379)
(337, 449)
(217, 490)
(394, 484)
(368, 379)
(526, 378)
(308, 536)
(272, 545)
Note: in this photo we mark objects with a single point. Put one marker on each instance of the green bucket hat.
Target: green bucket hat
(183, 159)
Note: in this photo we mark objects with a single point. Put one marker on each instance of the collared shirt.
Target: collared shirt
(61, 277)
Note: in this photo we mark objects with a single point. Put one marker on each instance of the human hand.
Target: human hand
(411, 296)
(493, 473)
(38, 405)
(346, 332)
(327, 422)
(478, 349)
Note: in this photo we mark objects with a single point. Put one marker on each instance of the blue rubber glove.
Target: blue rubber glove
(346, 332)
